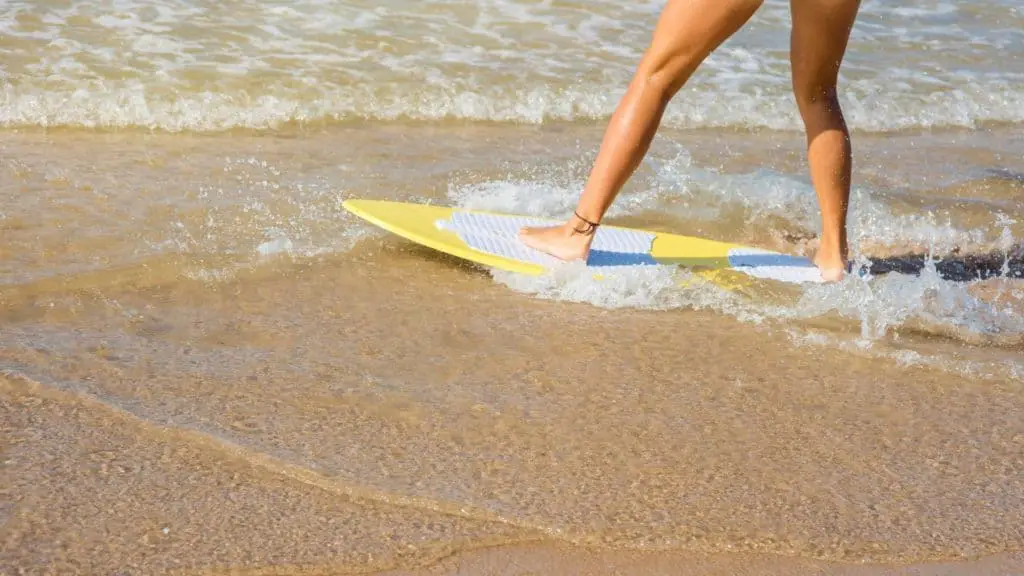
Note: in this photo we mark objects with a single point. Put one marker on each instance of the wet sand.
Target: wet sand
(623, 440)
(561, 560)
(178, 400)
(90, 489)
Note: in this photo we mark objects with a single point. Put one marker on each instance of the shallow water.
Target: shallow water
(176, 265)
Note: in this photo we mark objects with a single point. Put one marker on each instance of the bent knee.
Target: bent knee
(666, 72)
(666, 77)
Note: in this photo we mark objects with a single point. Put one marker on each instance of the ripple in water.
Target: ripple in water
(204, 66)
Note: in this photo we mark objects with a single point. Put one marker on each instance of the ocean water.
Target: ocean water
(175, 261)
(202, 66)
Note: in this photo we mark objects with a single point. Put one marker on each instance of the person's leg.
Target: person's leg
(821, 29)
(686, 33)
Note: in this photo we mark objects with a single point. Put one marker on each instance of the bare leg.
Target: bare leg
(821, 29)
(687, 32)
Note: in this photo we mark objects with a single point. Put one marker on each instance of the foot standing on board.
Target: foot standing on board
(686, 33)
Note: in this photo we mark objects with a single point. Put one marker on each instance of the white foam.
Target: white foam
(879, 305)
(894, 300)
(279, 245)
(650, 287)
(180, 66)
(882, 306)
(133, 103)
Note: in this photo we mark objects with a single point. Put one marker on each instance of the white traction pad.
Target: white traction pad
(499, 235)
(773, 265)
(612, 247)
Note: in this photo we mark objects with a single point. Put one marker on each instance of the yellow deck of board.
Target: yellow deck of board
(417, 222)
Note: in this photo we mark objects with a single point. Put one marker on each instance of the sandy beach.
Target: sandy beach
(208, 366)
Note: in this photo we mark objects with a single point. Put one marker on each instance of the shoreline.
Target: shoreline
(327, 126)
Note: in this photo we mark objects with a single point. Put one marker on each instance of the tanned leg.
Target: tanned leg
(686, 33)
(821, 29)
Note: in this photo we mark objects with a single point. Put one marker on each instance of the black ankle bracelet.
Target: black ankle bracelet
(591, 226)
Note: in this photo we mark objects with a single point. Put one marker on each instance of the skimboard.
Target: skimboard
(491, 239)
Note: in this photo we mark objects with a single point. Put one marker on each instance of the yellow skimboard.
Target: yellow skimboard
(491, 239)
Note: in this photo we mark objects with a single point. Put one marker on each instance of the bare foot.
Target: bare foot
(563, 242)
(831, 262)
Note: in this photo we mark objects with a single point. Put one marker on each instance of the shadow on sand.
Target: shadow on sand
(955, 267)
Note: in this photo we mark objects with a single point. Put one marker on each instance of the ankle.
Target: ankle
(582, 225)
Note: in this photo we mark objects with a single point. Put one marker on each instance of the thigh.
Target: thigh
(689, 30)
(821, 31)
